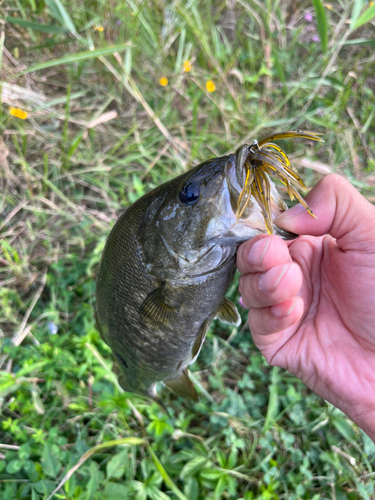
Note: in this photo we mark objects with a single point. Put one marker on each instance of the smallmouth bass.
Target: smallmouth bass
(170, 259)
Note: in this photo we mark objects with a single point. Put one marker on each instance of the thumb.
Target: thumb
(341, 211)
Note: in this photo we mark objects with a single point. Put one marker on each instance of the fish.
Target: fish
(171, 256)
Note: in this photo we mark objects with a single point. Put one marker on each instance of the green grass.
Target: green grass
(257, 431)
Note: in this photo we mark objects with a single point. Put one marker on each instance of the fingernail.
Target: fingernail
(279, 311)
(268, 283)
(258, 251)
(292, 212)
(241, 302)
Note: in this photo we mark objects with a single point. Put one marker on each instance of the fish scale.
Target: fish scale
(150, 353)
(170, 259)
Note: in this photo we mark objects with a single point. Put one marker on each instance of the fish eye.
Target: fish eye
(189, 194)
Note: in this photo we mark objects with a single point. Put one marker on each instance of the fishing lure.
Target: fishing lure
(260, 160)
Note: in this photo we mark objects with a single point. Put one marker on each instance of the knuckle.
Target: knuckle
(333, 180)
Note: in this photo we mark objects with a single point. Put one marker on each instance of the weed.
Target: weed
(100, 131)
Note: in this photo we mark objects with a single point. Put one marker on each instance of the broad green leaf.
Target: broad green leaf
(155, 494)
(35, 26)
(14, 466)
(344, 427)
(322, 24)
(93, 484)
(368, 444)
(114, 491)
(232, 459)
(31, 368)
(72, 58)
(231, 485)
(220, 487)
(38, 404)
(141, 492)
(191, 488)
(8, 384)
(50, 462)
(24, 451)
(221, 458)
(331, 458)
(30, 468)
(193, 467)
(366, 491)
(34, 495)
(211, 474)
(365, 17)
(44, 486)
(116, 466)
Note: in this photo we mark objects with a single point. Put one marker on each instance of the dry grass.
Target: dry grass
(100, 133)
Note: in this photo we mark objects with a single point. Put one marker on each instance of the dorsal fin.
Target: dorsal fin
(227, 313)
(155, 310)
(182, 386)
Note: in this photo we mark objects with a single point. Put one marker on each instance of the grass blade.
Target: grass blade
(90, 452)
(279, 67)
(128, 61)
(322, 24)
(67, 21)
(178, 64)
(360, 41)
(81, 56)
(358, 4)
(2, 38)
(273, 404)
(365, 17)
(168, 481)
(35, 26)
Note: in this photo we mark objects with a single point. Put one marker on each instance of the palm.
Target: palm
(332, 347)
(312, 301)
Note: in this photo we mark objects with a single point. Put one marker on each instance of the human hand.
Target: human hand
(312, 301)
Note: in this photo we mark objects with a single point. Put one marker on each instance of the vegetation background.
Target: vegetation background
(102, 100)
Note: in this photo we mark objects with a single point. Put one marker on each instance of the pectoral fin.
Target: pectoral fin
(227, 313)
(182, 386)
(156, 309)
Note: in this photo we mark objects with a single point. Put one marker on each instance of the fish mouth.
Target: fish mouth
(249, 173)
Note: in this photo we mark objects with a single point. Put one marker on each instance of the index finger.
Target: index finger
(261, 253)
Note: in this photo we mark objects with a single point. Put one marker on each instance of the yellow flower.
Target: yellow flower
(163, 81)
(18, 113)
(98, 28)
(210, 86)
(187, 66)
